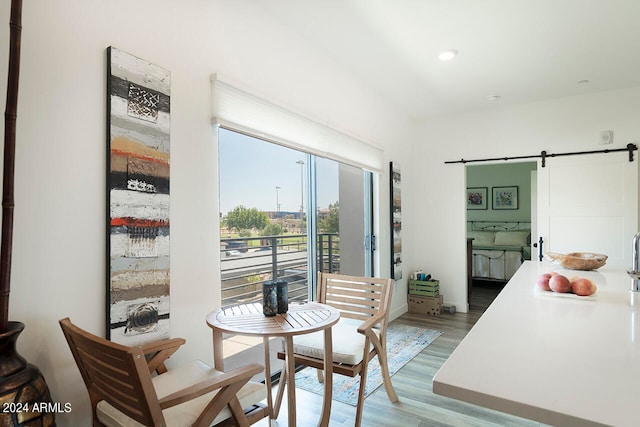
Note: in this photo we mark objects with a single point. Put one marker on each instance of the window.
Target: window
(298, 191)
(266, 194)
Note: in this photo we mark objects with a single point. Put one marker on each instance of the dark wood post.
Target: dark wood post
(10, 116)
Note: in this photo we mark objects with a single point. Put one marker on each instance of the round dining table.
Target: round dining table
(248, 320)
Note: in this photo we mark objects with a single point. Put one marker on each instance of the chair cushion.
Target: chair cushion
(186, 413)
(348, 344)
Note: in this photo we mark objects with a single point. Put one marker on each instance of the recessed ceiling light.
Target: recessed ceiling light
(494, 97)
(448, 55)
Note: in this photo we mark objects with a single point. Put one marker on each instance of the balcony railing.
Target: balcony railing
(248, 262)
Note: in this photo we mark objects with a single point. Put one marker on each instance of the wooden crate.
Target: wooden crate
(425, 305)
(425, 288)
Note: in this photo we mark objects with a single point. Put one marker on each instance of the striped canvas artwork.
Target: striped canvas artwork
(138, 199)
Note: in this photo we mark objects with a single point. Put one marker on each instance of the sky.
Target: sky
(251, 169)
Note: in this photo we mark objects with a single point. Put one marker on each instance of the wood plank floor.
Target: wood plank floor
(418, 405)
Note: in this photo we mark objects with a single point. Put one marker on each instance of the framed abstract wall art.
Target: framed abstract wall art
(396, 221)
(138, 129)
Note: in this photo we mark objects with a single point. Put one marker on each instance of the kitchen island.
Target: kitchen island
(559, 359)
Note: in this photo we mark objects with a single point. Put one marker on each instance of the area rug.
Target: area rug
(403, 344)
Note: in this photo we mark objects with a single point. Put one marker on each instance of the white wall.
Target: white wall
(561, 125)
(59, 257)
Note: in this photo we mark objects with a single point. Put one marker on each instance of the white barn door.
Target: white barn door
(589, 203)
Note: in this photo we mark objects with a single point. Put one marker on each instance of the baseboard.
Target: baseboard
(394, 314)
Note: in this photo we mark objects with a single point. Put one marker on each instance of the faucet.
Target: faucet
(635, 273)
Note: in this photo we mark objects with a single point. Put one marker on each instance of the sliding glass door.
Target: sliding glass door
(287, 214)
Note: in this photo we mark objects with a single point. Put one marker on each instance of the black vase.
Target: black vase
(24, 395)
(270, 298)
(283, 297)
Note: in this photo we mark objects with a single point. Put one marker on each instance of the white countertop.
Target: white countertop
(559, 359)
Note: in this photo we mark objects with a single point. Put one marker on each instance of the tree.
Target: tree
(244, 233)
(331, 223)
(272, 229)
(242, 218)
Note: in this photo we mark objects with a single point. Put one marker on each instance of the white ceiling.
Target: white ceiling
(521, 50)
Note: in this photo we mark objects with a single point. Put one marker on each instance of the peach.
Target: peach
(583, 287)
(560, 283)
(543, 281)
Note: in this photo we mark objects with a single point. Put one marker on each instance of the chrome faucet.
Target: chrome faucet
(635, 273)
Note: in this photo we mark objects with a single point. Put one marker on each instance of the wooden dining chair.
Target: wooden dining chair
(360, 335)
(124, 393)
(157, 352)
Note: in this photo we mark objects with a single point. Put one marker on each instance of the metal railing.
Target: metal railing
(248, 262)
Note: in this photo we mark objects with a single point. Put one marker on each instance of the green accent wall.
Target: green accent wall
(502, 175)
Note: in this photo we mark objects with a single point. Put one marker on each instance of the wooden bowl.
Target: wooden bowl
(577, 260)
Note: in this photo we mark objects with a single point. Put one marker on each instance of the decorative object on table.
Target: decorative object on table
(404, 342)
(283, 296)
(476, 198)
(138, 113)
(577, 260)
(396, 221)
(270, 298)
(21, 383)
(505, 197)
